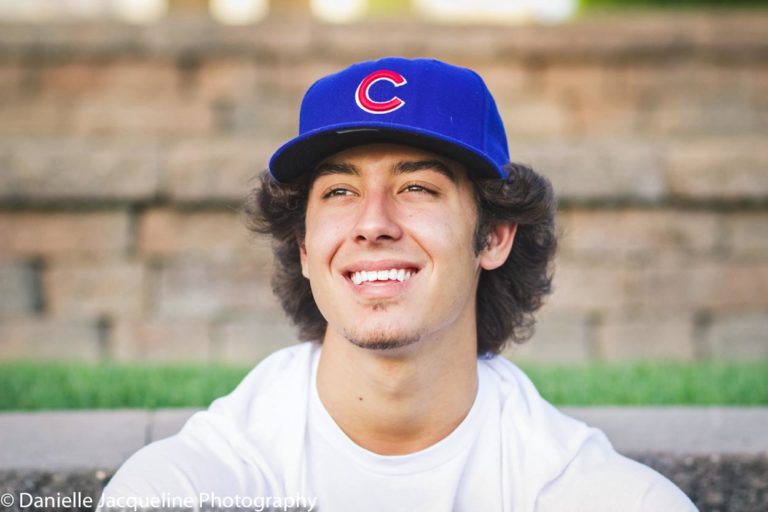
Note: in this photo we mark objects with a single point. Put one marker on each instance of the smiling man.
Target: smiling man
(409, 250)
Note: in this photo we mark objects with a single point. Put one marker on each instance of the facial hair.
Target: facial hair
(381, 340)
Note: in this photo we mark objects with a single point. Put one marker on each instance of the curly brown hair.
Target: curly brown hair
(507, 296)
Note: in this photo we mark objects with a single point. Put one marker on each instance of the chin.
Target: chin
(383, 340)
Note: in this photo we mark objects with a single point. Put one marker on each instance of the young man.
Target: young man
(408, 251)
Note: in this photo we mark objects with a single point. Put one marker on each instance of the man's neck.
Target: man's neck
(393, 403)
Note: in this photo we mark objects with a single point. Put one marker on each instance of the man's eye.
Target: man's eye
(334, 192)
(418, 188)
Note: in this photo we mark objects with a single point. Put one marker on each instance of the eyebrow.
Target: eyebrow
(403, 167)
(420, 165)
(330, 168)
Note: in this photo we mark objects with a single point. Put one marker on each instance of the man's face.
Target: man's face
(388, 248)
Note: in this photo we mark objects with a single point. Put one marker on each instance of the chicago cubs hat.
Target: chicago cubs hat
(423, 103)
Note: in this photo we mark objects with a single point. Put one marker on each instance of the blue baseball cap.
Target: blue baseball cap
(423, 103)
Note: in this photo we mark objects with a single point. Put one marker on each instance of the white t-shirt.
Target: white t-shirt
(271, 441)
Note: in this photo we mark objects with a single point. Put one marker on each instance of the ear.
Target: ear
(498, 246)
(303, 258)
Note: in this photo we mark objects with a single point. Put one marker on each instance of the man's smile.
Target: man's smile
(381, 275)
(387, 277)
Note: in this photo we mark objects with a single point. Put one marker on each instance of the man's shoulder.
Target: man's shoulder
(597, 480)
(290, 363)
(529, 419)
(517, 392)
(574, 465)
(276, 390)
(232, 447)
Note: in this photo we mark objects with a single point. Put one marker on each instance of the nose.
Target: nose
(376, 221)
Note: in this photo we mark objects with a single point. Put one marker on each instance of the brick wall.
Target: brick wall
(125, 151)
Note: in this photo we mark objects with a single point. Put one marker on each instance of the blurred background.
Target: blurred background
(130, 130)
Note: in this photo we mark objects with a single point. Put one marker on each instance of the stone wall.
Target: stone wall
(126, 150)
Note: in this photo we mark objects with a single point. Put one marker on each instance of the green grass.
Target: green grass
(31, 386)
(405, 8)
(667, 4)
(710, 383)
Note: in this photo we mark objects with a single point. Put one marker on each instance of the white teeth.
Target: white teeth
(399, 274)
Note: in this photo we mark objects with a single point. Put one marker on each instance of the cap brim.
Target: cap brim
(301, 154)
